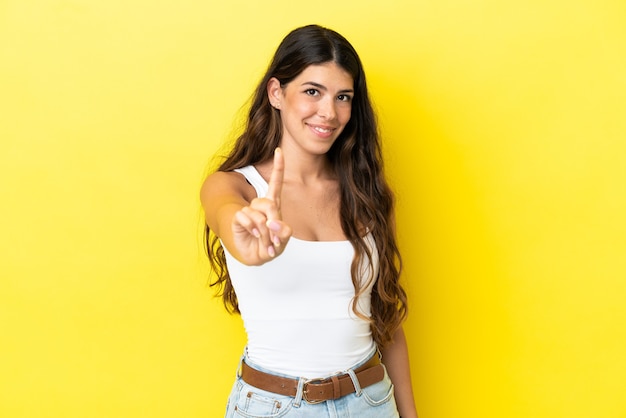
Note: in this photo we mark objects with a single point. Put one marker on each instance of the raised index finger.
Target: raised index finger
(276, 179)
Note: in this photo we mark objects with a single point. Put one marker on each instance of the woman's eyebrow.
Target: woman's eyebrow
(322, 87)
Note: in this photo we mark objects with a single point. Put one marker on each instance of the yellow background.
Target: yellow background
(505, 130)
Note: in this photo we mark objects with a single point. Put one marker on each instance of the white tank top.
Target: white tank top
(297, 310)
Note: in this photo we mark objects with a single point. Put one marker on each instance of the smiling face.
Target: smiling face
(314, 107)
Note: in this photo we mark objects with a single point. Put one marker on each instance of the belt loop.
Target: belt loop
(299, 393)
(355, 382)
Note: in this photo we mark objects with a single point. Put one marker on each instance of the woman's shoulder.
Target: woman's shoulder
(221, 183)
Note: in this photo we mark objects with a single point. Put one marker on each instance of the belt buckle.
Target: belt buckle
(305, 391)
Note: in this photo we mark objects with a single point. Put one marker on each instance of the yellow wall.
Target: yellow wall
(505, 139)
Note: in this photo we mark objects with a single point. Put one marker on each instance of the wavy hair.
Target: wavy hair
(356, 157)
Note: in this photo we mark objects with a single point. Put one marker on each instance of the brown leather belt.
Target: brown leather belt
(316, 390)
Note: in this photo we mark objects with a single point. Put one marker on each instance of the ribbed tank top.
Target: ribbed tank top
(296, 309)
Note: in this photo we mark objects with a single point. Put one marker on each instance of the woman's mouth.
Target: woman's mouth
(323, 131)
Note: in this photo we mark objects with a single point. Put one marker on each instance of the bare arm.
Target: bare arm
(251, 229)
(396, 359)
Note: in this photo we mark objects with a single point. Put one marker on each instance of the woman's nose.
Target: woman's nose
(327, 109)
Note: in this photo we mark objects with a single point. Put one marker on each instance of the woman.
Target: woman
(300, 234)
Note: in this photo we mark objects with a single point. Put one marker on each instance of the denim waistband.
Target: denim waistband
(302, 380)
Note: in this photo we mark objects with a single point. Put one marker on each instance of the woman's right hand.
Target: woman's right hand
(259, 234)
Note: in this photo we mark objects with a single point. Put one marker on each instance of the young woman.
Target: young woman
(300, 233)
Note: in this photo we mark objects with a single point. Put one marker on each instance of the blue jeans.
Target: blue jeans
(374, 401)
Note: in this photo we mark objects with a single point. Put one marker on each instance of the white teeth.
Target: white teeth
(318, 129)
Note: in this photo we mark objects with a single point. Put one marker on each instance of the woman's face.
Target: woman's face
(314, 107)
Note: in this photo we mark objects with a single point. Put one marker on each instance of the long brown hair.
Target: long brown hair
(356, 157)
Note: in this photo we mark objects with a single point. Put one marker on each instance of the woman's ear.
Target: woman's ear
(274, 92)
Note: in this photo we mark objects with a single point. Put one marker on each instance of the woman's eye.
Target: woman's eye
(311, 92)
(344, 98)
